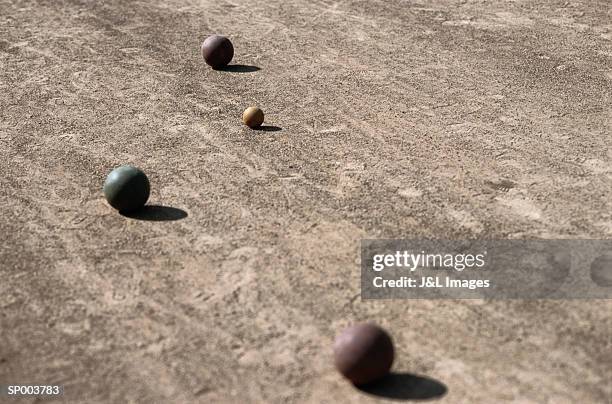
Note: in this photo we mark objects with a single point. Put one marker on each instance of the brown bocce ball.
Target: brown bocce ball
(363, 353)
(217, 51)
(253, 117)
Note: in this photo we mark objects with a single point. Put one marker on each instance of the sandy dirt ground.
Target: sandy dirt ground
(388, 118)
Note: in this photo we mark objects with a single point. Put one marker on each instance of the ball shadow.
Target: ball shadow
(239, 69)
(405, 386)
(268, 128)
(156, 213)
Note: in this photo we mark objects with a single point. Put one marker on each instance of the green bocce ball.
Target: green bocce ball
(127, 189)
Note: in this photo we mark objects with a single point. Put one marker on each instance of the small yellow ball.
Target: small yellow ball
(253, 117)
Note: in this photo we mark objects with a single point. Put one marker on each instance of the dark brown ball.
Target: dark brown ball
(601, 271)
(217, 51)
(363, 353)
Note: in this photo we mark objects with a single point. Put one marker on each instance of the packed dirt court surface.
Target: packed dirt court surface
(386, 119)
